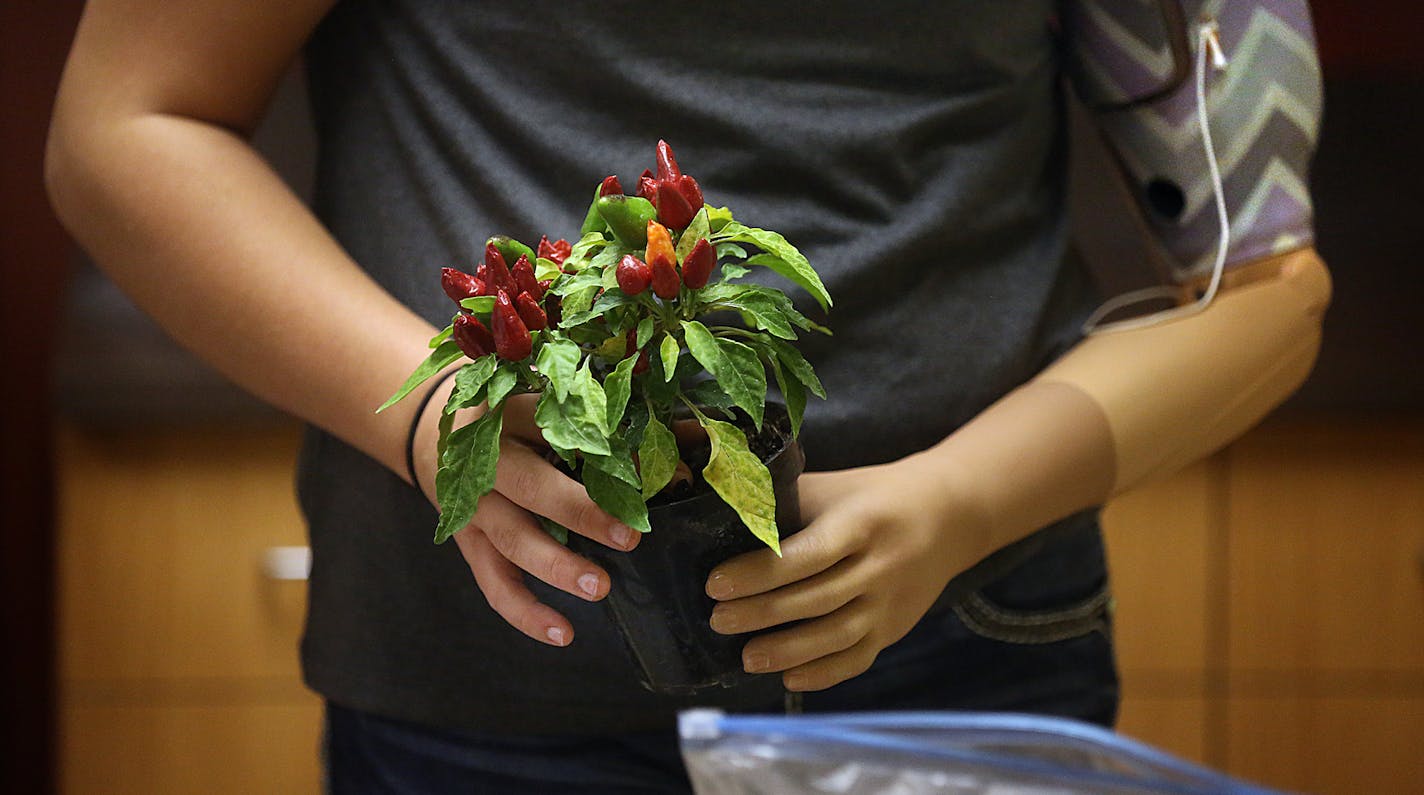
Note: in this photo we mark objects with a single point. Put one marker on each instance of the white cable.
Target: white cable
(1208, 44)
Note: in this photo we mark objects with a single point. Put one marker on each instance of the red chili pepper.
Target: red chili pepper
(677, 196)
(697, 265)
(498, 274)
(667, 162)
(673, 208)
(472, 336)
(634, 275)
(648, 187)
(511, 336)
(458, 285)
(530, 312)
(558, 251)
(663, 261)
(610, 187)
(690, 191)
(641, 366)
(524, 278)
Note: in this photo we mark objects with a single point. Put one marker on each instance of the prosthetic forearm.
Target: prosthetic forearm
(1216, 152)
(1175, 392)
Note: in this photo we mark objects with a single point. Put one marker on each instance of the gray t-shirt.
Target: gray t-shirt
(914, 152)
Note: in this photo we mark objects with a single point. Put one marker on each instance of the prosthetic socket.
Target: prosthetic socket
(1241, 75)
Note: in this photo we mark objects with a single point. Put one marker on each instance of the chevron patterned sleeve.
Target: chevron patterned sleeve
(1133, 62)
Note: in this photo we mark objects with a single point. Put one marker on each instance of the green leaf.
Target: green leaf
(470, 382)
(558, 361)
(734, 365)
(467, 472)
(442, 336)
(718, 217)
(645, 331)
(741, 480)
(584, 248)
(445, 426)
(613, 348)
(695, 230)
(618, 386)
(781, 257)
(765, 312)
(480, 304)
(657, 457)
(669, 350)
(593, 223)
(545, 268)
(609, 283)
(654, 384)
(706, 394)
(443, 356)
(582, 280)
(732, 271)
(730, 250)
(793, 392)
(625, 502)
(595, 400)
(502, 383)
(794, 362)
(566, 425)
(577, 302)
(637, 416)
(607, 257)
(611, 298)
(618, 463)
(787, 309)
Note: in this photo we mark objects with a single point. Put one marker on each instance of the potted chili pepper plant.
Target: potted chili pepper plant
(609, 332)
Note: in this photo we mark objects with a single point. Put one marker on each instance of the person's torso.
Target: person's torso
(913, 151)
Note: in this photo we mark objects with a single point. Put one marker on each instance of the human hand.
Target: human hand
(879, 546)
(505, 539)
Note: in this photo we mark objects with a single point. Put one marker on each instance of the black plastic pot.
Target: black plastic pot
(658, 601)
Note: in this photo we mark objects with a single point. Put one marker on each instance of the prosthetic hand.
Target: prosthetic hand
(1129, 402)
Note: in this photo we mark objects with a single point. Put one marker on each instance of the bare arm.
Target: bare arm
(149, 168)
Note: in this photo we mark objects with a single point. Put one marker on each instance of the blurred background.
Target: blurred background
(1270, 600)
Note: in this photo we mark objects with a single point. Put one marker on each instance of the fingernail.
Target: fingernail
(718, 586)
(556, 635)
(724, 621)
(795, 682)
(755, 661)
(588, 583)
(622, 535)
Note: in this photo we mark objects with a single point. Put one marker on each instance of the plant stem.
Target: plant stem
(738, 331)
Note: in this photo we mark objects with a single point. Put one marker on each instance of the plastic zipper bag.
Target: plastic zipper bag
(919, 753)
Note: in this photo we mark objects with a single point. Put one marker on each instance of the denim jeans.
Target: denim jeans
(1037, 640)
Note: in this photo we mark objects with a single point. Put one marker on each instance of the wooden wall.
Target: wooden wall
(178, 655)
(1269, 605)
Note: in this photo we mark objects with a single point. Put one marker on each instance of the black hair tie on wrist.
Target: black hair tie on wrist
(415, 423)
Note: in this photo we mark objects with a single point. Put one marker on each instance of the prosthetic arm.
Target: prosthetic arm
(1211, 108)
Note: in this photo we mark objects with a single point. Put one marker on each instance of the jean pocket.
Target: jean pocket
(983, 616)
